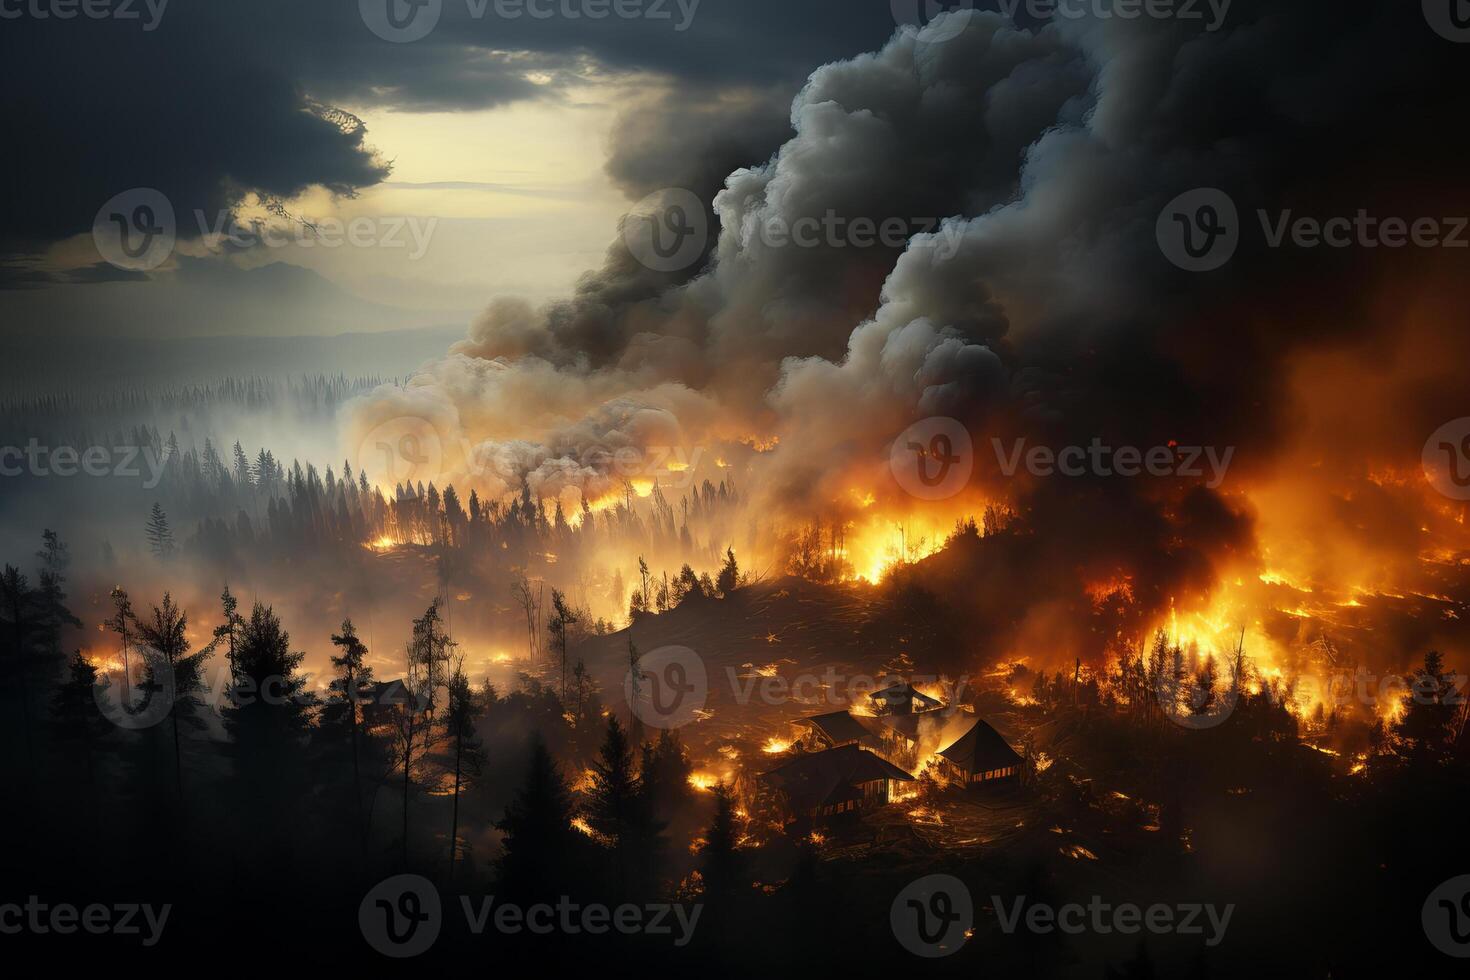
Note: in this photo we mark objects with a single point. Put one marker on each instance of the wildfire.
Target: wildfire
(703, 781)
(877, 542)
(381, 545)
(776, 746)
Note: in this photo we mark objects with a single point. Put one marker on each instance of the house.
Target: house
(382, 700)
(824, 784)
(835, 729)
(907, 739)
(902, 699)
(980, 756)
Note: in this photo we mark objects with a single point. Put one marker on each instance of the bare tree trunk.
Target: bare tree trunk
(407, 767)
(356, 770)
(454, 819)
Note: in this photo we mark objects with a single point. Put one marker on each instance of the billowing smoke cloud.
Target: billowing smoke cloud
(1031, 298)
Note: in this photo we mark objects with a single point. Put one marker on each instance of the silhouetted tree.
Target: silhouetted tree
(542, 852)
(1425, 730)
(228, 632)
(19, 605)
(621, 813)
(78, 726)
(267, 717)
(178, 676)
(121, 623)
(559, 626)
(160, 536)
(721, 864)
(729, 577)
(461, 712)
(341, 717)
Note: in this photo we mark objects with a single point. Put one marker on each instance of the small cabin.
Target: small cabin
(834, 730)
(902, 699)
(821, 785)
(979, 756)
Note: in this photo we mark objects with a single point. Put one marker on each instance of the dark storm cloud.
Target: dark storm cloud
(215, 100)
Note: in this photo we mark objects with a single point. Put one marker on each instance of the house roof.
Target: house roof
(940, 726)
(819, 778)
(981, 748)
(903, 691)
(839, 726)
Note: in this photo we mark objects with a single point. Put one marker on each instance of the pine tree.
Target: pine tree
(722, 866)
(19, 605)
(462, 711)
(177, 676)
(341, 719)
(77, 722)
(160, 536)
(228, 632)
(729, 577)
(1425, 730)
(542, 852)
(665, 773)
(563, 618)
(267, 718)
(428, 653)
(635, 693)
(121, 623)
(620, 811)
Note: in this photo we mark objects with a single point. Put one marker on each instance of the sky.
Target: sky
(491, 157)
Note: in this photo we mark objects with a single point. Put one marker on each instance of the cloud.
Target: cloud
(225, 98)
